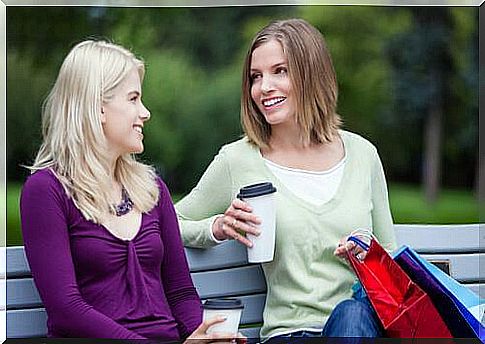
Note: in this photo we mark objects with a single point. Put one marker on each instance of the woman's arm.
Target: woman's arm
(210, 198)
(44, 226)
(381, 213)
(180, 292)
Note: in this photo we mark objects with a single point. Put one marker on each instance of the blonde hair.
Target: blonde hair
(74, 144)
(312, 78)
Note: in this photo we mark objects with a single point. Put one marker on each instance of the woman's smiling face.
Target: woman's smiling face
(271, 87)
(123, 117)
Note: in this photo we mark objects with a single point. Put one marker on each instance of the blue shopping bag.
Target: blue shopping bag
(460, 308)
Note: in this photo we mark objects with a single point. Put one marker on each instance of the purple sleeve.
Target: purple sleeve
(44, 212)
(181, 294)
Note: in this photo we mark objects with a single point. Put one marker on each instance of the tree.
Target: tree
(422, 68)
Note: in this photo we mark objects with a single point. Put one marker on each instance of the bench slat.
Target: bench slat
(23, 323)
(441, 238)
(26, 323)
(478, 289)
(252, 332)
(22, 293)
(253, 309)
(238, 281)
(16, 262)
(227, 254)
(431, 239)
(468, 267)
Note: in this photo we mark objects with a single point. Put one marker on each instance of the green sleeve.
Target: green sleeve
(381, 213)
(210, 198)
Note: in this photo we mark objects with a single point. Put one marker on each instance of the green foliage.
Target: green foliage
(27, 87)
(356, 37)
(47, 33)
(192, 87)
(194, 112)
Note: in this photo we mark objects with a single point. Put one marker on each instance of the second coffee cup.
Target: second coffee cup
(229, 308)
(261, 197)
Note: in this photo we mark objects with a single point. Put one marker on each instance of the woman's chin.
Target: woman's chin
(137, 150)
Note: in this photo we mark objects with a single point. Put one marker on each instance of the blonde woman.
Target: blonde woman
(330, 182)
(100, 231)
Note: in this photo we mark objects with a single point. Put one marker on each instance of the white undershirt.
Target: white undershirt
(316, 187)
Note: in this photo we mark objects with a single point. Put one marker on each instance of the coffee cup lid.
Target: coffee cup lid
(256, 190)
(223, 304)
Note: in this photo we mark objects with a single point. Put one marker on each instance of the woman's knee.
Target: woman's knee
(352, 308)
(353, 318)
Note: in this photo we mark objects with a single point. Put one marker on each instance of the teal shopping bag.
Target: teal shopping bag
(461, 309)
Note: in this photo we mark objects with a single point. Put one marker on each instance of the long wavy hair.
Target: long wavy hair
(312, 78)
(74, 145)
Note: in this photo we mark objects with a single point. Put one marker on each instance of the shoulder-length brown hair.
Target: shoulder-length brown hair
(313, 82)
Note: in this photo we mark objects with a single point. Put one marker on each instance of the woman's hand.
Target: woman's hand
(345, 246)
(237, 220)
(200, 335)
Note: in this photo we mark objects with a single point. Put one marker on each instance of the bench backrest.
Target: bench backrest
(223, 271)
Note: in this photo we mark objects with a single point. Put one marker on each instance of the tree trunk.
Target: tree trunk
(432, 152)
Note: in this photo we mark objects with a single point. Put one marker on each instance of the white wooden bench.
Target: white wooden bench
(223, 271)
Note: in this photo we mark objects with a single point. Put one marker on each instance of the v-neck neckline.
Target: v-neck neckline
(316, 208)
(140, 227)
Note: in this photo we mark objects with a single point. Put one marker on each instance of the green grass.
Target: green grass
(407, 205)
(14, 236)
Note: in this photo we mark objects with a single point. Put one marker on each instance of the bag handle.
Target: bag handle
(359, 242)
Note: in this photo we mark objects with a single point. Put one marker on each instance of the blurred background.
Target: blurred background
(408, 82)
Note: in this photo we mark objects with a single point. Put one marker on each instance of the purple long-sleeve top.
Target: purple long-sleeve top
(96, 285)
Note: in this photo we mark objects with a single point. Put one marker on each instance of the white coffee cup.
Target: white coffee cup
(261, 197)
(229, 308)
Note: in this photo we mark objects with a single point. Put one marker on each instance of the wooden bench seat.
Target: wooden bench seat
(223, 271)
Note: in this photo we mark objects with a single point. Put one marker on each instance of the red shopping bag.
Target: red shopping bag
(404, 309)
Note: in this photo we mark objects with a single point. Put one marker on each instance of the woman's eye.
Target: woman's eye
(281, 70)
(133, 99)
(255, 76)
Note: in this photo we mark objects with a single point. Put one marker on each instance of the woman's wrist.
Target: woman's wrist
(217, 231)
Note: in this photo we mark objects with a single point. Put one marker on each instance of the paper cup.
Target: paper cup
(261, 197)
(229, 308)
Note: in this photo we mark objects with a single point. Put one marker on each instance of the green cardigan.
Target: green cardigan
(305, 280)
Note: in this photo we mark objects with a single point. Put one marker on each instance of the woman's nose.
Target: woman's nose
(266, 84)
(145, 113)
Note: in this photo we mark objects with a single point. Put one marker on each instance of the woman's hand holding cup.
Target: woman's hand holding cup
(200, 335)
(237, 220)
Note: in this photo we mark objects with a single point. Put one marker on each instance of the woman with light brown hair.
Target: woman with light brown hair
(330, 183)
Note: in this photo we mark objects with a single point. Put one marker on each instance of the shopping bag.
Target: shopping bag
(460, 308)
(404, 309)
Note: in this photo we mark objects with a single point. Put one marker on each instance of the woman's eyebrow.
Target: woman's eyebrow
(279, 64)
(134, 92)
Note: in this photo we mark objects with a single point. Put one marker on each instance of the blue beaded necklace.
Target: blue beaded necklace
(126, 204)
